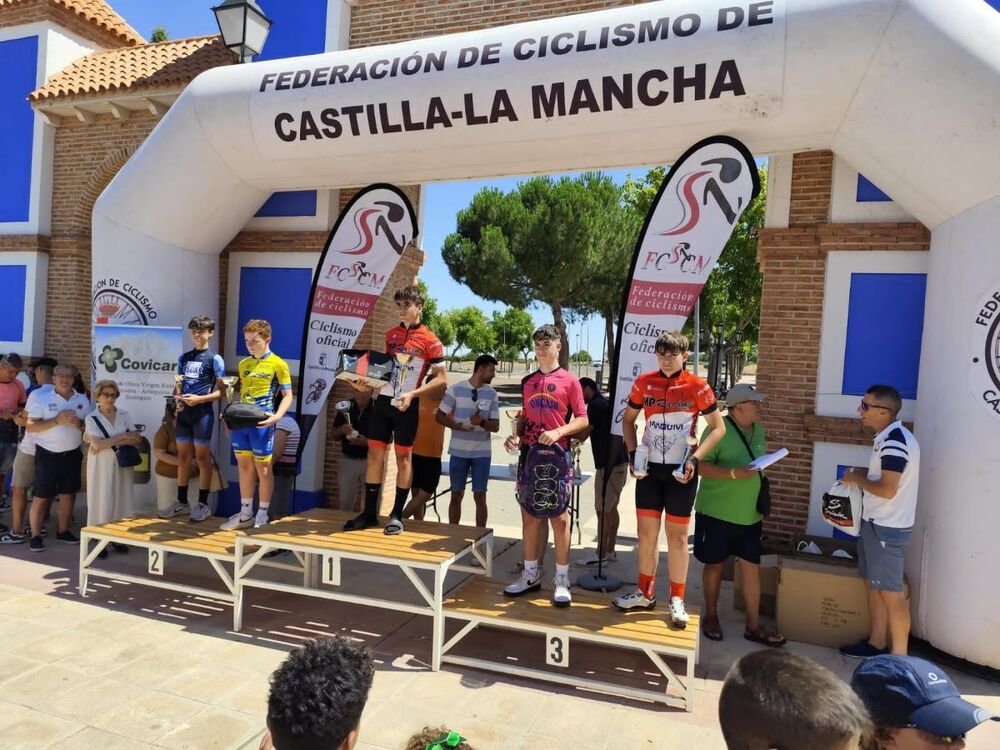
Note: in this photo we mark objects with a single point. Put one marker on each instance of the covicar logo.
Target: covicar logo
(984, 374)
(371, 221)
(109, 358)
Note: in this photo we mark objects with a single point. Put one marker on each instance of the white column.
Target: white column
(954, 555)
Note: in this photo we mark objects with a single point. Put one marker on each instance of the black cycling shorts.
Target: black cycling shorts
(390, 425)
(659, 492)
(426, 473)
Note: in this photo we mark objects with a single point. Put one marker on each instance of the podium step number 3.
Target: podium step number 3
(156, 560)
(556, 649)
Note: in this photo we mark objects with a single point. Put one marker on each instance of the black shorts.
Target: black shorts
(195, 423)
(388, 424)
(715, 540)
(659, 492)
(57, 473)
(426, 473)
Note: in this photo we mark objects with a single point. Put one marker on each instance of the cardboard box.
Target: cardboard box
(768, 586)
(821, 602)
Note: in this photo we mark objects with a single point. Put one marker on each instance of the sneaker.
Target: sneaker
(68, 537)
(237, 521)
(175, 510)
(635, 600)
(36, 544)
(862, 650)
(678, 615)
(5, 503)
(260, 519)
(524, 584)
(12, 537)
(593, 559)
(200, 512)
(561, 597)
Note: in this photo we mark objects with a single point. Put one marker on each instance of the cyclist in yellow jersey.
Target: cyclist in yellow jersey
(262, 376)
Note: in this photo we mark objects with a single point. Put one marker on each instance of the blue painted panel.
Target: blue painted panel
(19, 63)
(279, 296)
(995, 4)
(868, 192)
(290, 203)
(885, 322)
(13, 280)
(299, 28)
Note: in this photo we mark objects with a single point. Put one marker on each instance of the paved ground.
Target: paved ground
(132, 666)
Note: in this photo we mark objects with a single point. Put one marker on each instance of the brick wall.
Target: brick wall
(36, 11)
(793, 262)
(388, 21)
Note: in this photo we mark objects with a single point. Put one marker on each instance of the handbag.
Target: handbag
(239, 415)
(764, 495)
(127, 456)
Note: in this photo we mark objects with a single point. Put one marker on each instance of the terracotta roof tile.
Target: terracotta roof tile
(99, 13)
(170, 64)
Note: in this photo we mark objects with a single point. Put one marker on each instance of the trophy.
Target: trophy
(399, 377)
(692, 443)
(171, 397)
(344, 407)
(513, 415)
(575, 447)
(230, 381)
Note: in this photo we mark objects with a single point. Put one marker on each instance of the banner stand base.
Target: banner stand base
(595, 582)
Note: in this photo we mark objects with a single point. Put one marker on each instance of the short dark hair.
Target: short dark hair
(591, 384)
(671, 342)
(484, 360)
(49, 362)
(431, 735)
(547, 331)
(777, 699)
(888, 395)
(409, 293)
(318, 693)
(201, 323)
(12, 360)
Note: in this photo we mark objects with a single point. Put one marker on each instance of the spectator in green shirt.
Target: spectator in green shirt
(726, 519)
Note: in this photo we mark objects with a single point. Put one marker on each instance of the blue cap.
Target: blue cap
(899, 690)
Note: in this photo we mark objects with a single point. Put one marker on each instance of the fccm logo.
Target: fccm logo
(984, 374)
(370, 222)
(699, 187)
(119, 302)
(679, 255)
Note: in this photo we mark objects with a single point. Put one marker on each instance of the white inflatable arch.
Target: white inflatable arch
(907, 91)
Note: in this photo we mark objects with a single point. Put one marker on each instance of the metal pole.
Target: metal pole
(697, 333)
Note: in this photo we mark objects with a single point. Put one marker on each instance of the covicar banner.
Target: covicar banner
(698, 204)
(142, 360)
(360, 255)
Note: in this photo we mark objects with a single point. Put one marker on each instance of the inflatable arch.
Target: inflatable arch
(907, 91)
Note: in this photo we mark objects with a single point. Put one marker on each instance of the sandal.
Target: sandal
(711, 629)
(394, 527)
(765, 637)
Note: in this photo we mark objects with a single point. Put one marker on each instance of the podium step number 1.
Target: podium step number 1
(331, 570)
(556, 649)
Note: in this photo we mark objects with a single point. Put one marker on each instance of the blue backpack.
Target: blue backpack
(545, 481)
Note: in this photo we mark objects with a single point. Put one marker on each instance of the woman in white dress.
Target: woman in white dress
(109, 486)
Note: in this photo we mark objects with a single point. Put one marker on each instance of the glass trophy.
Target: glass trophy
(692, 443)
(399, 377)
(344, 407)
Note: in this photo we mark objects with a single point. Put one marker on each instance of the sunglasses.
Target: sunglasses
(944, 738)
(865, 406)
(475, 394)
(109, 394)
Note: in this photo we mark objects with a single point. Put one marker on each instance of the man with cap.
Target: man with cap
(727, 522)
(914, 705)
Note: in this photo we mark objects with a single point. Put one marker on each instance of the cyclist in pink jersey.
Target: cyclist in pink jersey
(553, 409)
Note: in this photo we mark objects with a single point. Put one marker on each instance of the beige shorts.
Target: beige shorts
(616, 482)
(24, 470)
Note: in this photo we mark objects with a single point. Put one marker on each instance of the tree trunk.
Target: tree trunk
(451, 362)
(609, 333)
(557, 318)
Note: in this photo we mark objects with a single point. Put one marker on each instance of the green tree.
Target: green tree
(472, 330)
(536, 243)
(512, 331)
(433, 319)
(159, 34)
(582, 356)
(730, 300)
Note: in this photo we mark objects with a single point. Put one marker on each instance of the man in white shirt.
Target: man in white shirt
(890, 500)
(55, 419)
(471, 408)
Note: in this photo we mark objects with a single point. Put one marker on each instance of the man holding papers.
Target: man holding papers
(727, 521)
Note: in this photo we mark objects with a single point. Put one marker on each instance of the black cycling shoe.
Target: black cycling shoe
(359, 522)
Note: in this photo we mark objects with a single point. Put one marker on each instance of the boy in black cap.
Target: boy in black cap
(914, 705)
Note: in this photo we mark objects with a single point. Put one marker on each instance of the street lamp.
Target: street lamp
(243, 26)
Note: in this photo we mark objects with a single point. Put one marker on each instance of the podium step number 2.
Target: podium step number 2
(156, 560)
(556, 649)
